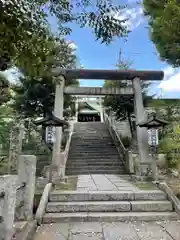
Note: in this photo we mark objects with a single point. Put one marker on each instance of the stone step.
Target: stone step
(110, 216)
(92, 145)
(69, 196)
(95, 136)
(94, 161)
(85, 172)
(90, 138)
(93, 132)
(110, 206)
(98, 158)
(84, 164)
(89, 148)
(94, 156)
(88, 157)
(93, 149)
(92, 168)
(93, 152)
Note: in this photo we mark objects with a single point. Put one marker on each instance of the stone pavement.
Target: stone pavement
(104, 183)
(110, 231)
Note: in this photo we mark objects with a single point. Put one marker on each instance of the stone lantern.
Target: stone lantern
(49, 123)
(153, 124)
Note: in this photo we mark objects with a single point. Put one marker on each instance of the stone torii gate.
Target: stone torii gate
(135, 76)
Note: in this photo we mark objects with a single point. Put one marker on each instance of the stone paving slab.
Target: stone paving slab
(151, 231)
(87, 236)
(173, 228)
(104, 182)
(169, 230)
(55, 231)
(119, 231)
(86, 227)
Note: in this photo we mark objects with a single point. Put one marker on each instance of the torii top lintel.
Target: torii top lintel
(109, 74)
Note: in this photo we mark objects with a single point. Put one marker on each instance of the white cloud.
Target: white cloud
(171, 81)
(134, 17)
(168, 72)
(72, 45)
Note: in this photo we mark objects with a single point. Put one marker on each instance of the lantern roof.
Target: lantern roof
(153, 122)
(51, 120)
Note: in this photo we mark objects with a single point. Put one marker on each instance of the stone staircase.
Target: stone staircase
(108, 206)
(92, 151)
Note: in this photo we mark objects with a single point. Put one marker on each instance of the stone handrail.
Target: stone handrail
(43, 203)
(66, 150)
(171, 196)
(123, 152)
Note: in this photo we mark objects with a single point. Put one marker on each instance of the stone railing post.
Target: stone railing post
(27, 175)
(58, 112)
(7, 205)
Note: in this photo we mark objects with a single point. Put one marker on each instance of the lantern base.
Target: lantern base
(143, 171)
(48, 168)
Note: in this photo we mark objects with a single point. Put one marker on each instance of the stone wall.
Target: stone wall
(17, 196)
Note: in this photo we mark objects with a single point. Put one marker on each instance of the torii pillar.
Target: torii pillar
(142, 134)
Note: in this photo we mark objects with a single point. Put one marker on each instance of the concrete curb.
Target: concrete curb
(43, 203)
(171, 196)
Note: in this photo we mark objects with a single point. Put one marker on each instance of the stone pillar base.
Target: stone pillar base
(56, 172)
(142, 178)
(48, 168)
(143, 172)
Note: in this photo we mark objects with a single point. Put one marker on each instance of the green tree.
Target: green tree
(166, 108)
(35, 95)
(4, 89)
(170, 145)
(123, 106)
(6, 118)
(164, 18)
(24, 28)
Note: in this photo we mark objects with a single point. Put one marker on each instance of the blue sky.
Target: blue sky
(138, 49)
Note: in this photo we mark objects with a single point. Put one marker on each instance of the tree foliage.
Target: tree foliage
(119, 104)
(122, 105)
(164, 18)
(167, 109)
(35, 94)
(6, 116)
(24, 29)
(4, 89)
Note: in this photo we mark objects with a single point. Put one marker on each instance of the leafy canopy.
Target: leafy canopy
(119, 104)
(164, 18)
(24, 29)
(35, 93)
(5, 94)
